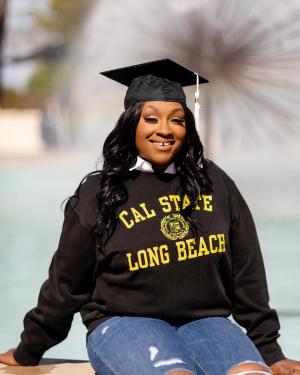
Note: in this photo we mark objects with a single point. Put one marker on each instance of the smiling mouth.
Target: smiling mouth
(162, 144)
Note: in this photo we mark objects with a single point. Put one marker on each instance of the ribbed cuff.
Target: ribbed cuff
(271, 353)
(24, 357)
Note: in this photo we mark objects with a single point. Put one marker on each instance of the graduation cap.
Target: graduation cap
(157, 80)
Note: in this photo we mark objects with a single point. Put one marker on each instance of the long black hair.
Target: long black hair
(120, 153)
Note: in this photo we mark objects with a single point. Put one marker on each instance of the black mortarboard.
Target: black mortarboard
(156, 80)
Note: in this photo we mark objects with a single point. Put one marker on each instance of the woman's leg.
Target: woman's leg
(125, 345)
(220, 347)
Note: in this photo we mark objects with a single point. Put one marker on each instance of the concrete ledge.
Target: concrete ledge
(20, 133)
(50, 366)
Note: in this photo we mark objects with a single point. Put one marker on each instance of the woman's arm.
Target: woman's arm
(250, 298)
(68, 287)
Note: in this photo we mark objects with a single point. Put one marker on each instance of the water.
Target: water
(30, 224)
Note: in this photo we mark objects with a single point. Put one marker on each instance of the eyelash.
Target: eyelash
(153, 120)
(179, 120)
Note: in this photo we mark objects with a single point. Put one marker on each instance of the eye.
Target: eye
(150, 119)
(178, 120)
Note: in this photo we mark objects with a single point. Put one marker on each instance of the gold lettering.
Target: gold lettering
(137, 216)
(221, 238)
(149, 258)
(186, 202)
(131, 267)
(175, 199)
(202, 247)
(181, 250)
(148, 214)
(142, 258)
(192, 253)
(207, 202)
(131, 222)
(153, 256)
(164, 255)
(212, 249)
(164, 202)
(197, 206)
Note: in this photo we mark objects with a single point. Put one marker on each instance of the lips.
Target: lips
(162, 145)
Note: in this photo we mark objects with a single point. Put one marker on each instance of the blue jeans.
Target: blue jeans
(128, 345)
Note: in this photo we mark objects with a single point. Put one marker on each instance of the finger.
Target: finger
(281, 370)
(288, 370)
(294, 367)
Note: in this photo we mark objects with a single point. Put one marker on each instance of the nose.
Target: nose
(164, 129)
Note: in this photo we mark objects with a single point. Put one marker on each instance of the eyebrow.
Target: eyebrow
(177, 110)
(157, 110)
(151, 107)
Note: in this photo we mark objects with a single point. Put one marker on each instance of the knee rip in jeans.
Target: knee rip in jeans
(179, 371)
(153, 351)
(243, 368)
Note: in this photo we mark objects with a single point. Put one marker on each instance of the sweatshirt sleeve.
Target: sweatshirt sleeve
(67, 289)
(251, 299)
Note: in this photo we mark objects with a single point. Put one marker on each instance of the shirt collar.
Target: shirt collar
(145, 166)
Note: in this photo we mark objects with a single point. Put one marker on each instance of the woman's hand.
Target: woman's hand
(8, 358)
(286, 367)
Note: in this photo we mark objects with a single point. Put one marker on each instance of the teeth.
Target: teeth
(162, 144)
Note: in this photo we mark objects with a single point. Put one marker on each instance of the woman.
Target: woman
(157, 250)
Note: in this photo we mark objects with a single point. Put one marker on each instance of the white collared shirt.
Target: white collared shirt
(145, 166)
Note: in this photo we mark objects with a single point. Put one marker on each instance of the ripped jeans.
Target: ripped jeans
(128, 345)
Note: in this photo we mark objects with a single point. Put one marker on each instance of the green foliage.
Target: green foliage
(43, 79)
(60, 23)
(63, 18)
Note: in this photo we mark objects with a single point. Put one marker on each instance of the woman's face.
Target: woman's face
(160, 132)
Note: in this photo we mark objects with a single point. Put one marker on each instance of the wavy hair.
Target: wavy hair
(120, 153)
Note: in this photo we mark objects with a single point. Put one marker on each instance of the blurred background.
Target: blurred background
(56, 111)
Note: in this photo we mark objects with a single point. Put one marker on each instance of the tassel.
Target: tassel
(197, 106)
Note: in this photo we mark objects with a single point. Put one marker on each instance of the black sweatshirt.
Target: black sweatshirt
(153, 265)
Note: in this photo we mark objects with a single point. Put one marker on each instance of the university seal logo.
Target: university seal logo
(174, 226)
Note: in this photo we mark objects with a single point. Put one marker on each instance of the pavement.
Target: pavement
(50, 367)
